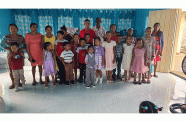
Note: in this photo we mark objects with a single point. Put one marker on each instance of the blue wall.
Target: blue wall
(141, 20)
(6, 17)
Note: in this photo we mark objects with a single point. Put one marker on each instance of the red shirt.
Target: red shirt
(90, 32)
(114, 38)
(82, 53)
(59, 45)
(17, 61)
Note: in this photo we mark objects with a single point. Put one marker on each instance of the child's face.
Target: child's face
(148, 32)
(76, 38)
(49, 47)
(87, 24)
(130, 32)
(14, 48)
(113, 28)
(129, 40)
(108, 35)
(48, 30)
(65, 32)
(97, 42)
(119, 38)
(34, 28)
(98, 21)
(60, 36)
(67, 47)
(156, 27)
(139, 43)
(13, 30)
(91, 50)
(82, 43)
(87, 38)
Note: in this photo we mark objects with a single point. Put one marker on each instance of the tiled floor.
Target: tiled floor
(119, 97)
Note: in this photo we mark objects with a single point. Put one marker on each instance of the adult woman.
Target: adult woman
(6, 43)
(66, 35)
(113, 32)
(159, 36)
(34, 47)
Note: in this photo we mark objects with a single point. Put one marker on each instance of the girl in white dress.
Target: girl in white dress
(127, 57)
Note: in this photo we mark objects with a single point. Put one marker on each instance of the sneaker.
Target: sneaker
(72, 82)
(96, 81)
(94, 85)
(87, 86)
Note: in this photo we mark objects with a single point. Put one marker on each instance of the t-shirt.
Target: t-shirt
(82, 53)
(87, 44)
(90, 32)
(67, 55)
(60, 47)
(17, 61)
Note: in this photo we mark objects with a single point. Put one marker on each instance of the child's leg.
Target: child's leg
(110, 75)
(84, 70)
(53, 81)
(21, 74)
(75, 71)
(40, 74)
(100, 73)
(155, 68)
(134, 77)
(46, 83)
(33, 74)
(139, 75)
(67, 72)
(12, 78)
(71, 72)
(125, 73)
(119, 66)
(92, 74)
(56, 78)
(129, 75)
(87, 79)
(97, 72)
(16, 78)
(107, 75)
(149, 74)
(81, 71)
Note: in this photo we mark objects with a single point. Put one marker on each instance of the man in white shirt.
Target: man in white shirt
(99, 30)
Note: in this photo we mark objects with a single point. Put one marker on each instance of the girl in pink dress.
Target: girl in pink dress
(138, 63)
(110, 56)
(34, 47)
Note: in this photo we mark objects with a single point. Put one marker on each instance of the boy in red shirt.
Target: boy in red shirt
(81, 53)
(16, 61)
(87, 30)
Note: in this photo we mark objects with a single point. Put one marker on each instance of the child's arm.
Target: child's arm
(104, 56)
(145, 58)
(114, 49)
(23, 58)
(133, 55)
(43, 56)
(55, 50)
(78, 59)
(86, 59)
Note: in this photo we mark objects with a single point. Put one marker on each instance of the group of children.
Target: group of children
(135, 56)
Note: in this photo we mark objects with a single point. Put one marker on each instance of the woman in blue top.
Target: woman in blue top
(6, 44)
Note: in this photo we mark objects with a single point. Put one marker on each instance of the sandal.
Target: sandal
(41, 82)
(144, 81)
(134, 82)
(155, 76)
(148, 81)
(139, 82)
(12, 86)
(34, 83)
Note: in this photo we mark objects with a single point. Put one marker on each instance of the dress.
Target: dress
(149, 44)
(48, 64)
(109, 55)
(158, 47)
(74, 48)
(127, 56)
(138, 65)
(99, 53)
(52, 41)
(114, 38)
(36, 51)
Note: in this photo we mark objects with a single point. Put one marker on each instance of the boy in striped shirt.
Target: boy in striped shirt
(67, 58)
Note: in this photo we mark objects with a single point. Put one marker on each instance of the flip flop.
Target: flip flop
(134, 82)
(155, 76)
(148, 81)
(139, 82)
(143, 81)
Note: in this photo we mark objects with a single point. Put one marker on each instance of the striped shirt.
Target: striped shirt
(67, 55)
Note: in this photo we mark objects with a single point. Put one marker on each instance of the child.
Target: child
(67, 58)
(16, 61)
(110, 56)
(48, 63)
(119, 56)
(99, 57)
(90, 67)
(50, 38)
(74, 45)
(138, 64)
(129, 33)
(87, 39)
(87, 30)
(81, 53)
(127, 56)
(58, 48)
(149, 44)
